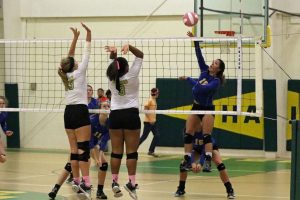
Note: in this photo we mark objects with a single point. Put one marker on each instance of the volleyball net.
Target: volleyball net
(32, 66)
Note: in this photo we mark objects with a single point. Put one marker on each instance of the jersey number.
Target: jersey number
(71, 83)
(122, 87)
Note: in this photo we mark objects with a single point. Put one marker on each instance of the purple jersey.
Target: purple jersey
(206, 86)
(3, 117)
(198, 146)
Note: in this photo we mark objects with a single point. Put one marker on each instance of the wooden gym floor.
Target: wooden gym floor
(30, 175)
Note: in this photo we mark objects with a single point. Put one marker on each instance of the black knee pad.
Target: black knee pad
(84, 146)
(74, 156)
(181, 168)
(68, 167)
(104, 167)
(206, 138)
(221, 167)
(133, 155)
(188, 138)
(115, 155)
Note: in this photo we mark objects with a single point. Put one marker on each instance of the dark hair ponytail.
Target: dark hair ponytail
(116, 70)
(220, 74)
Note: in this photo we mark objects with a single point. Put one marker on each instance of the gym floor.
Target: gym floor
(30, 175)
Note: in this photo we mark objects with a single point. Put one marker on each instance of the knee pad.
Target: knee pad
(221, 167)
(206, 138)
(74, 156)
(85, 155)
(181, 168)
(133, 155)
(115, 155)
(188, 138)
(104, 167)
(68, 167)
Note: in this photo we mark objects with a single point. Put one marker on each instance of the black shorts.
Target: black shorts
(76, 116)
(199, 107)
(125, 119)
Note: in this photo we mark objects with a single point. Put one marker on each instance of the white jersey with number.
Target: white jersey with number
(77, 84)
(128, 97)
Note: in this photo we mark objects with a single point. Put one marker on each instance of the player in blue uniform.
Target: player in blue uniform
(198, 158)
(3, 117)
(204, 88)
(102, 136)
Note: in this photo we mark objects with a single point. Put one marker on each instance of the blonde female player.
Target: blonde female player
(3, 117)
(124, 120)
(76, 116)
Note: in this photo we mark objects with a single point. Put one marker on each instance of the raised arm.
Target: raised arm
(200, 59)
(135, 51)
(87, 49)
(88, 33)
(76, 34)
(112, 50)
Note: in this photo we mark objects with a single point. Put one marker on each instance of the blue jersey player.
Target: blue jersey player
(99, 137)
(198, 158)
(204, 88)
(3, 117)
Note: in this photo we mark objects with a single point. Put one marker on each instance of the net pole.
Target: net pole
(239, 74)
(295, 163)
(258, 79)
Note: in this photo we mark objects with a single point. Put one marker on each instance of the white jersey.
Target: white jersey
(77, 84)
(128, 97)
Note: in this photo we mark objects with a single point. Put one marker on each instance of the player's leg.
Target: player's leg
(191, 124)
(83, 135)
(101, 175)
(117, 143)
(74, 155)
(102, 167)
(182, 180)
(131, 138)
(61, 179)
(2, 152)
(223, 174)
(207, 127)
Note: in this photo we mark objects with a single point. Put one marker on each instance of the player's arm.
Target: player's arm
(88, 33)
(87, 48)
(112, 50)
(3, 117)
(188, 79)
(76, 34)
(201, 62)
(135, 51)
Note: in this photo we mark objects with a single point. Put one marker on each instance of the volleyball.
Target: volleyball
(190, 19)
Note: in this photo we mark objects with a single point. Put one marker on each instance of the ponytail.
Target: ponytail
(220, 74)
(117, 69)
